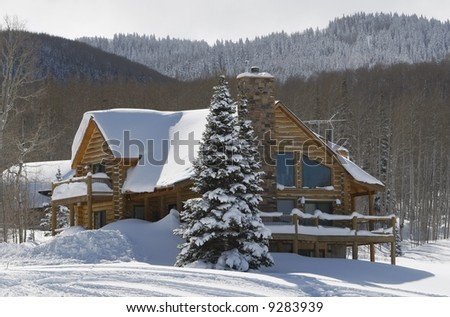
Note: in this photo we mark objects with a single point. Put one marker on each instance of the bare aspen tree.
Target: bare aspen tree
(19, 86)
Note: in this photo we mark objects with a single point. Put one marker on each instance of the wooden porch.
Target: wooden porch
(80, 191)
(346, 231)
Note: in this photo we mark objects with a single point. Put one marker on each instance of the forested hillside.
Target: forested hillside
(361, 40)
(63, 59)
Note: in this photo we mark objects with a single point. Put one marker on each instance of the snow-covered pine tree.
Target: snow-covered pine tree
(206, 220)
(221, 229)
(254, 240)
(62, 217)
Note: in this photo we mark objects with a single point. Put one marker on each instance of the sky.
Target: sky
(208, 20)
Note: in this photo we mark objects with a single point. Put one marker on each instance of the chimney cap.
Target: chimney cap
(254, 69)
(254, 72)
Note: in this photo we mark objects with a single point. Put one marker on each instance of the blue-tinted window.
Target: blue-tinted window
(285, 206)
(99, 219)
(286, 169)
(315, 174)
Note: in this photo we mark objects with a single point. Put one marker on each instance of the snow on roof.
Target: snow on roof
(357, 172)
(43, 171)
(38, 176)
(255, 74)
(336, 147)
(69, 190)
(164, 142)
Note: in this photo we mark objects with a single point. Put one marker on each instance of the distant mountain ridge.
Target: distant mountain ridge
(360, 40)
(62, 59)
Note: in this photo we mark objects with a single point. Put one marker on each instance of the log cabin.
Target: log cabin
(135, 163)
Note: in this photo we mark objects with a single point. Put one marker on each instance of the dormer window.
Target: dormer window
(315, 174)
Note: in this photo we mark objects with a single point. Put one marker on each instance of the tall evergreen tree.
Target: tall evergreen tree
(254, 239)
(221, 228)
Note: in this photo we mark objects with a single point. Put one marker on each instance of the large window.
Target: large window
(323, 206)
(99, 219)
(286, 205)
(315, 174)
(286, 169)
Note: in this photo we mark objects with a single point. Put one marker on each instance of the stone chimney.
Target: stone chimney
(258, 88)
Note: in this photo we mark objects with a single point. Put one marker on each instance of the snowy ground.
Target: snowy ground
(135, 258)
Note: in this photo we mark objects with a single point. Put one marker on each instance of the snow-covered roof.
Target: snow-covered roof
(38, 177)
(336, 147)
(163, 141)
(358, 173)
(255, 74)
(75, 189)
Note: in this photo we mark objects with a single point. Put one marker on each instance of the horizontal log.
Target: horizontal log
(347, 240)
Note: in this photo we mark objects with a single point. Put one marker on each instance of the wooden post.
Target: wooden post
(316, 221)
(372, 252)
(371, 211)
(371, 204)
(89, 201)
(353, 203)
(393, 246)
(355, 244)
(316, 249)
(295, 242)
(355, 250)
(355, 224)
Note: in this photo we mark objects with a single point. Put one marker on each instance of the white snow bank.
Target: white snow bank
(74, 246)
(152, 242)
(123, 240)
